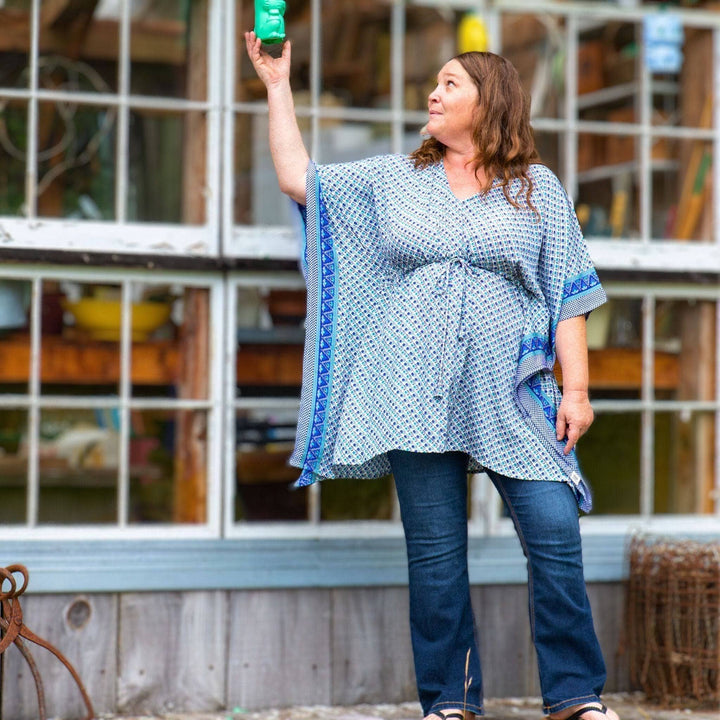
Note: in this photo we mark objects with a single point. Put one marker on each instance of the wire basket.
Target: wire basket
(673, 620)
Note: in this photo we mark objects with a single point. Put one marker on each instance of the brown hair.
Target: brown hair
(503, 138)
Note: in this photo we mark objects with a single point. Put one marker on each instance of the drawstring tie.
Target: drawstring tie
(443, 287)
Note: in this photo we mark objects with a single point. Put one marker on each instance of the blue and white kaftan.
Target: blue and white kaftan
(431, 321)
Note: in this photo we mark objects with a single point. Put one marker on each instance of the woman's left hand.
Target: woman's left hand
(575, 415)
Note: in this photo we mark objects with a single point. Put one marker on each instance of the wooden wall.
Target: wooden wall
(201, 651)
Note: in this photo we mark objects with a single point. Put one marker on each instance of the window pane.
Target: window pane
(608, 185)
(14, 335)
(258, 199)
(79, 451)
(682, 207)
(13, 149)
(357, 499)
(59, 70)
(167, 167)
(607, 69)
(614, 476)
(168, 48)
(81, 350)
(430, 41)
(685, 98)
(348, 141)
(412, 137)
(550, 148)
(535, 45)
(76, 161)
(263, 489)
(685, 334)
(270, 337)
(13, 465)
(14, 43)
(297, 27)
(168, 466)
(684, 462)
(356, 52)
(171, 342)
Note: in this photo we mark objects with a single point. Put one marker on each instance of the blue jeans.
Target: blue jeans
(432, 489)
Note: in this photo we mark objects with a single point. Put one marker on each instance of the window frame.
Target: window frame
(35, 402)
(120, 235)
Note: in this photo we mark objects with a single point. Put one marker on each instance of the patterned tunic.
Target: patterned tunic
(431, 322)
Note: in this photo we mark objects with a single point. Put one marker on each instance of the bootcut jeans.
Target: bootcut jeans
(432, 489)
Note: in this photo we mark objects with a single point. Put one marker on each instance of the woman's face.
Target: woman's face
(452, 105)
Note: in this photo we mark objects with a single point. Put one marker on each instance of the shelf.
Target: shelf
(258, 364)
(609, 172)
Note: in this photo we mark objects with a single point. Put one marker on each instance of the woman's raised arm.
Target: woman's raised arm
(286, 144)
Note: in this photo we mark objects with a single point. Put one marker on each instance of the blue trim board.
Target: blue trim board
(169, 565)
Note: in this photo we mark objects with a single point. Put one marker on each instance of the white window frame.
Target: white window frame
(120, 235)
(35, 402)
(622, 254)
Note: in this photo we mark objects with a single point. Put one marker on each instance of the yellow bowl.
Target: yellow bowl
(102, 318)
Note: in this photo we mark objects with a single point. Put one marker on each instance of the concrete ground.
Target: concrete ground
(628, 707)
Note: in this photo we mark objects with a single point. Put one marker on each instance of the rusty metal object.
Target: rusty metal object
(673, 620)
(13, 630)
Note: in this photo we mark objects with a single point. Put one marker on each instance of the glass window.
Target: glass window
(13, 158)
(168, 48)
(14, 462)
(122, 429)
(614, 476)
(355, 48)
(608, 199)
(685, 337)
(684, 452)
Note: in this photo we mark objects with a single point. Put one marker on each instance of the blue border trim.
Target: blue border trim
(326, 320)
(534, 344)
(581, 284)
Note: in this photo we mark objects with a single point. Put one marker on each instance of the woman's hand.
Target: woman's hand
(574, 418)
(272, 71)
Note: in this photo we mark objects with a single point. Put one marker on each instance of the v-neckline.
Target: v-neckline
(448, 187)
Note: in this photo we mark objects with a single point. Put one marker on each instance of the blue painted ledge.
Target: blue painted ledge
(127, 566)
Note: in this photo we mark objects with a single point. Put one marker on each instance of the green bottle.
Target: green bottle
(269, 20)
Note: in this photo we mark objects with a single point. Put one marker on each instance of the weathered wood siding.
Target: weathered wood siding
(193, 651)
(84, 628)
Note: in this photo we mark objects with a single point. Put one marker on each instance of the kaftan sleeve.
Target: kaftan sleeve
(348, 189)
(343, 267)
(566, 273)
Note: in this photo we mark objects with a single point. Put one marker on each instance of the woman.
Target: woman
(441, 287)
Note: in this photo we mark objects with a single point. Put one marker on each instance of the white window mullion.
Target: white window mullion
(231, 407)
(716, 486)
(32, 129)
(647, 444)
(123, 115)
(123, 494)
(645, 140)
(397, 64)
(214, 147)
(315, 76)
(227, 143)
(218, 428)
(716, 136)
(571, 107)
(33, 469)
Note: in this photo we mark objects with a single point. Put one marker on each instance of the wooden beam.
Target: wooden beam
(152, 41)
